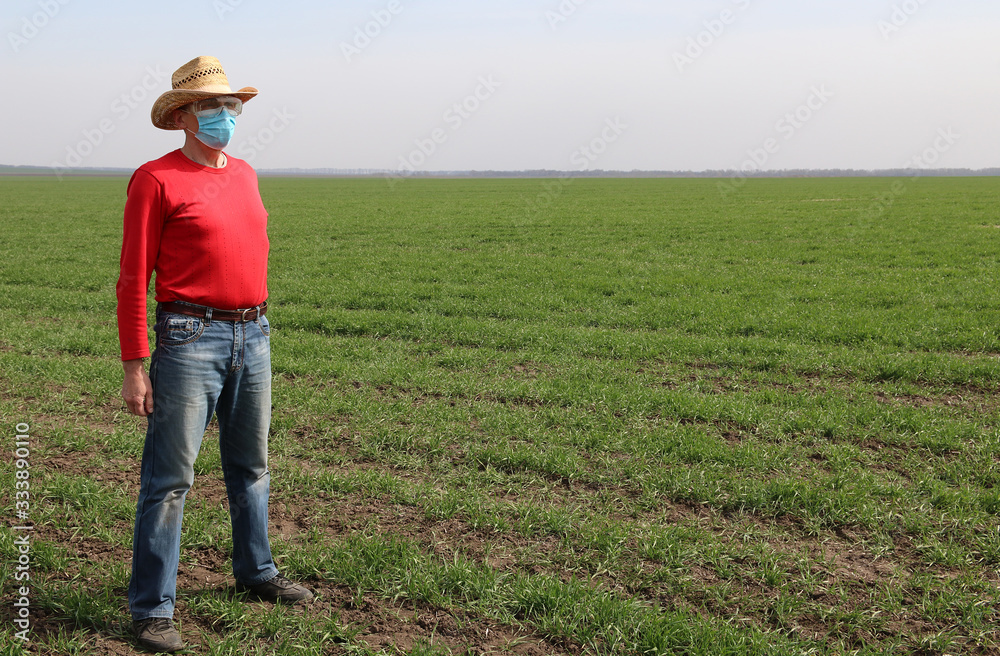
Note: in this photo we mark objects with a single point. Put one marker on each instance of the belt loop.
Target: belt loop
(208, 316)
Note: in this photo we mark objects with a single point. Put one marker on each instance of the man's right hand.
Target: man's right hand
(137, 389)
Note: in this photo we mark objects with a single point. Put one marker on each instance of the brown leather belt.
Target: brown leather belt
(200, 311)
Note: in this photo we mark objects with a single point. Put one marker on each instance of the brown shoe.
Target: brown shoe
(157, 634)
(277, 589)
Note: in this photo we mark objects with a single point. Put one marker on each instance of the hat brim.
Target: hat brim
(165, 105)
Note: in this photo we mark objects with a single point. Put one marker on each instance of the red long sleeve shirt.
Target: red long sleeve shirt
(204, 232)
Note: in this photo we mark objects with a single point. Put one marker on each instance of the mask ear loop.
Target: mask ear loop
(195, 117)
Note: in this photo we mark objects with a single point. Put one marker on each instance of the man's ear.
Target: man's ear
(178, 116)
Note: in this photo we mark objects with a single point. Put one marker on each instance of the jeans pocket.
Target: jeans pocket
(179, 329)
(265, 327)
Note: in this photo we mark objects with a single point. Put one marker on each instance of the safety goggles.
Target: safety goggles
(214, 106)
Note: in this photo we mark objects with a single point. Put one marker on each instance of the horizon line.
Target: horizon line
(361, 172)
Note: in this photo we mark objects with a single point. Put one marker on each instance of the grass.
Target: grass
(648, 418)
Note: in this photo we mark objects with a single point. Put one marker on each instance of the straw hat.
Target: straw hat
(200, 78)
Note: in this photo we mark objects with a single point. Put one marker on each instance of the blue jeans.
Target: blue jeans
(202, 367)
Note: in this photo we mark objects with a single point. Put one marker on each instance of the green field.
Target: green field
(623, 416)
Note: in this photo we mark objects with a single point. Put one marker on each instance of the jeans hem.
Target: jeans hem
(265, 579)
(152, 616)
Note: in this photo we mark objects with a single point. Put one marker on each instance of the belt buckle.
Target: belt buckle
(243, 314)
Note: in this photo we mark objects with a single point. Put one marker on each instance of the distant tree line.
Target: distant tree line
(551, 173)
(635, 173)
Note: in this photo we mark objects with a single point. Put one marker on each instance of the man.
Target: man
(195, 217)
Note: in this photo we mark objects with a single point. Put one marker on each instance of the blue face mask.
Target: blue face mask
(216, 131)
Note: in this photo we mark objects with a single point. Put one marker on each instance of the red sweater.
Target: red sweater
(204, 232)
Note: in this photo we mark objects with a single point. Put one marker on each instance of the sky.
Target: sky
(441, 85)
